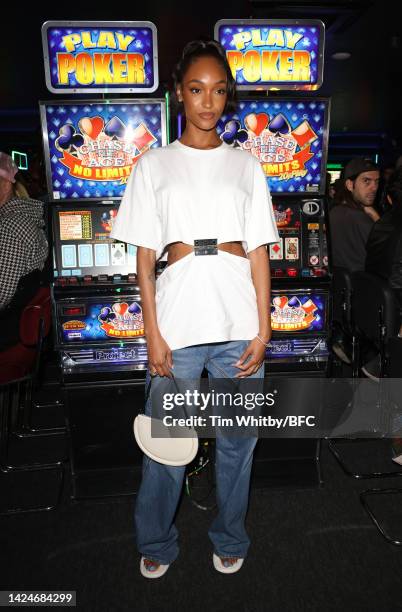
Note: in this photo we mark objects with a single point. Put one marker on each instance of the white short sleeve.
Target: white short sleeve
(260, 221)
(137, 221)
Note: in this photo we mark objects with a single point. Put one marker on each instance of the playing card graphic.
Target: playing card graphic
(276, 250)
(118, 254)
(291, 249)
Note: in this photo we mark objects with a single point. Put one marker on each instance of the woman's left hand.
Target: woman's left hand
(254, 356)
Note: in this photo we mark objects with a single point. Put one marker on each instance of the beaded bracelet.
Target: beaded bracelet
(266, 344)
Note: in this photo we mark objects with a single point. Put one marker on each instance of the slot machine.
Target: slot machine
(91, 148)
(289, 137)
(92, 141)
(288, 134)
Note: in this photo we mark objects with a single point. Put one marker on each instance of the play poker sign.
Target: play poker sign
(274, 54)
(100, 56)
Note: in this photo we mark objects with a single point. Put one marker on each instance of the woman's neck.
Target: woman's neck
(199, 139)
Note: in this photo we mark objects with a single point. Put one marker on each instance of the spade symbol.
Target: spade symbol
(279, 125)
(115, 127)
(294, 302)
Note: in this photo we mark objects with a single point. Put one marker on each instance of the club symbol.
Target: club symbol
(233, 133)
(68, 138)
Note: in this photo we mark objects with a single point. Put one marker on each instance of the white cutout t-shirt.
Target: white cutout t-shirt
(181, 194)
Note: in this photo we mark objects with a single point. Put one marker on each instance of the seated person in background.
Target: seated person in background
(23, 250)
(384, 249)
(353, 214)
(351, 217)
(384, 259)
(384, 245)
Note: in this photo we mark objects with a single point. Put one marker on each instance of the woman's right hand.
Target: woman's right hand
(160, 361)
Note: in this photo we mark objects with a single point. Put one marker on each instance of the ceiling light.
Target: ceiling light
(341, 55)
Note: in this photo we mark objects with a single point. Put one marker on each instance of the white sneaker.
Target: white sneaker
(230, 569)
(162, 569)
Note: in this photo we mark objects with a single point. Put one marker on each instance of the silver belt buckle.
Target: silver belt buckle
(206, 246)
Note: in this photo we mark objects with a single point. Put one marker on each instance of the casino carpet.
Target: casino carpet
(313, 549)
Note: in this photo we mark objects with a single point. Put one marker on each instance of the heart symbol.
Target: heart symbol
(115, 127)
(279, 124)
(91, 126)
(256, 123)
(281, 301)
(117, 308)
(123, 308)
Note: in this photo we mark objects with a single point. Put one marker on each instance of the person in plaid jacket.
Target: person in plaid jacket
(23, 249)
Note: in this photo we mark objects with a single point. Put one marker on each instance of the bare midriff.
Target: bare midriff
(178, 250)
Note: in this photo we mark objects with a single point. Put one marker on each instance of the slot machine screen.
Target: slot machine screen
(298, 320)
(298, 311)
(102, 320)
(92, 146)
(288, 137)
(83, 246)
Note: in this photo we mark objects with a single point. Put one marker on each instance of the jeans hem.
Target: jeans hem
(154, 560)
(239, 555)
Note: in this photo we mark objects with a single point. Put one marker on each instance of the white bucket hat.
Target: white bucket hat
(174, 446)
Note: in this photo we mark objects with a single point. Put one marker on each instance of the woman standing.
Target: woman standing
(211, 306)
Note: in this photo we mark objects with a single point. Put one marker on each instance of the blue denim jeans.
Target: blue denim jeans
(161, 486)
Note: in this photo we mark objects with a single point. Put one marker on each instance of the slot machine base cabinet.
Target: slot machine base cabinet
(105, 460)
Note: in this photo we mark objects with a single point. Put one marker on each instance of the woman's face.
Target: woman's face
(203, 92)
